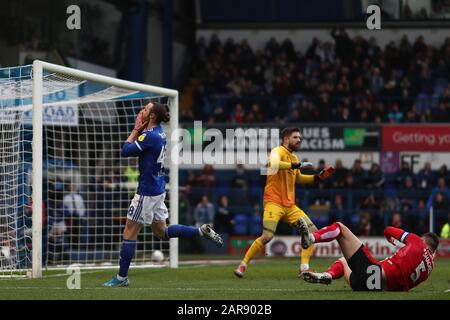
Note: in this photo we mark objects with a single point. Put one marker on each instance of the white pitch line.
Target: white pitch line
(194, 289)
(58, 275)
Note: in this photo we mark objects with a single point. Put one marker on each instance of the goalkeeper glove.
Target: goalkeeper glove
(324, 174)
(302, 165)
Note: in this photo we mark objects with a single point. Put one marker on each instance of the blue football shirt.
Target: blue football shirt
(150, 146)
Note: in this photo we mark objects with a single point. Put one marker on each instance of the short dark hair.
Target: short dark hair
(286, 132)
(161, 111)
(432, 240)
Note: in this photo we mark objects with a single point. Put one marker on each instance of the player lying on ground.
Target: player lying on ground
(409, 266)
(284, 172)
(148, 141)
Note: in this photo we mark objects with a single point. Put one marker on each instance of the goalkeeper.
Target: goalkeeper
(148, 141)
(279, 195)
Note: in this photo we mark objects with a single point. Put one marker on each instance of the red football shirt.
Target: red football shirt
(410, 265)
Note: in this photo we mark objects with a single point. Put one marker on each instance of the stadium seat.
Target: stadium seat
(241, 224)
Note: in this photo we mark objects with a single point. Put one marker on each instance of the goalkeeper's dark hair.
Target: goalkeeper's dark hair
(161, 111)
(432, 240)
(286, 132)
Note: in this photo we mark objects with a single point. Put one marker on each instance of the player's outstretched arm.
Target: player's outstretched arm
(321, 176)
(304, 178)
(276, 164)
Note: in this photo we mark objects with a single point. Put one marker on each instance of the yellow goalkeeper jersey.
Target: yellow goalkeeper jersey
(281, 179)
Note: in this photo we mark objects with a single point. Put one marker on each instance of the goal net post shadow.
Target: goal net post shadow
(65, 189)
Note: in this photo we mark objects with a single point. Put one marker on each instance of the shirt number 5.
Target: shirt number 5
(416, 275)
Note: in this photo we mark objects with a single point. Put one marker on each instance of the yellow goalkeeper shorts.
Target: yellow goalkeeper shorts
(274, 212)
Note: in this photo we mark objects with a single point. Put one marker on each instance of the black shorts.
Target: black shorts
(366, 271)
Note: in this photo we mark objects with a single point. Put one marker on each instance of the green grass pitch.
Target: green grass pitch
(266, 279)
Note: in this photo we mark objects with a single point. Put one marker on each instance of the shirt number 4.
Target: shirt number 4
(160, 160)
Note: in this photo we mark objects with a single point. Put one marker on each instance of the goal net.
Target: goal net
(64, 187)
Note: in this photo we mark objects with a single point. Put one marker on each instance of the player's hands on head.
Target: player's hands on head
(325, 173)
(140, 122)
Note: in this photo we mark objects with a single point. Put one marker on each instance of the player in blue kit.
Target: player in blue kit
(148, 142)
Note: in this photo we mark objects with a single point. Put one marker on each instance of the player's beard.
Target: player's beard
(294, 146)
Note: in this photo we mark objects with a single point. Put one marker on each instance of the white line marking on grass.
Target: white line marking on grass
(162, 289)
(57, 275)
(197, 289)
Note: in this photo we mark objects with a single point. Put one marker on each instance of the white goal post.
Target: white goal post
(92, 95)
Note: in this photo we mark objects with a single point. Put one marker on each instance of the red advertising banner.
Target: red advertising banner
(416, 138)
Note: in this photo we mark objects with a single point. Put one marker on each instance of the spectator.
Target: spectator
(444, 173)
(407, 195)
(75, 211)
(358, 174)
(440, 203)
(408, 184)
(441, 207)
(340, 175)
(418, 218)
(425, 177)
(190, 179)
(349, 181)
(321, 198)
(344, 46)
(404, 172)
(395, 116)
(376, 81)
(396, 221)
(204, 212)
(184, 206)
(363, 228)
(104, 199)
(257, 115)
(219, 115)
(58, 244)
(375, 177)
(445, 231)
(337, 211)
(187, 116)
(240, 191)
(238, 115)
(370, 203)
(371, 206)
(441, 114)
(240, 180)
(206, 180)
(440, 188)
(223, 220)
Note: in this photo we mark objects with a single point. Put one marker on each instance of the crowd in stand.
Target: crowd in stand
(349, 80)
(366, 200)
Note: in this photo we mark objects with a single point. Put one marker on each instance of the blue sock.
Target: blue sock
(127, 250)
(181, 231)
